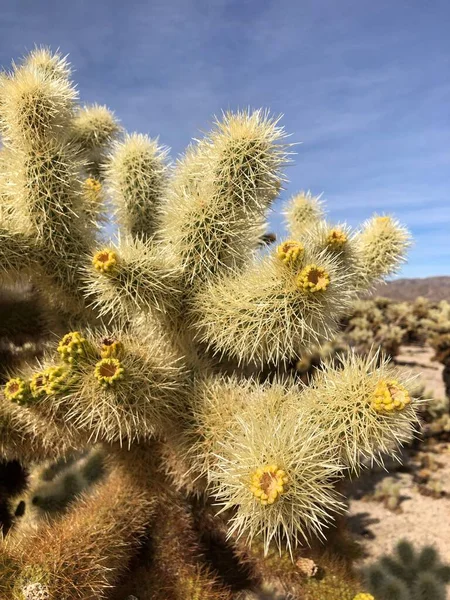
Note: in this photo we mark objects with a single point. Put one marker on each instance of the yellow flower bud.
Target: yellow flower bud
(111, 348)
(73, 346)
(267, 484)
(108, 371)
(17, 390)
(290, 253)
(105, 261)
(313, 279)
(336, 239)
(390, 396)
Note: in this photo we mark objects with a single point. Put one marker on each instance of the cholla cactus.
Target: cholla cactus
(388, 491)
(409, 574)
(303, 211)
(138, 173)
(174, 334)
(93, 128)
(377, 323)
(52, 487)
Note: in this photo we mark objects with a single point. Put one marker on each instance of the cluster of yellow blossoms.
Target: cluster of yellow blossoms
(268, 483)
(56, 378)
(390, 396)
(111, 348)
(108, 371)
(313, 279)
(44, 383)
(337, 238)
(73, 346)
(105, 261)
(290, 253)
(49, 381)
(17, 390)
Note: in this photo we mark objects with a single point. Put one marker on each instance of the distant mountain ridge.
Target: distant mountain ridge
(433, 288)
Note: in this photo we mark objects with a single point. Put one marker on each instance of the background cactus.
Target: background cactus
(52, 487)
(408, 574)
(388, 491)
(176, 353)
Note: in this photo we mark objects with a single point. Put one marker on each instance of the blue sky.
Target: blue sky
(363, 85)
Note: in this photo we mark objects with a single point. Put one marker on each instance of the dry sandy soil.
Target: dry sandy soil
(419, 360)
(420, 519)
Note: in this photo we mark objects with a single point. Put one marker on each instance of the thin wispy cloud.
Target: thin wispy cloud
(363, 86)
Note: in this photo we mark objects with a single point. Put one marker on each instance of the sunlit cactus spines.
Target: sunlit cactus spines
(133, 276)
(286, 309)
(137, 173)
(382, 242)
(13, 263)
(92, 131)
(337, 239)
(303, 210)
(214, 213)
(35, 108)
(271, 465)
(372, 413)
(51, 64)
(179, 339)
(132, 393)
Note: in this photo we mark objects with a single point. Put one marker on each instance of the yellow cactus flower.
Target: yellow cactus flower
(105, 261)
(72, 346)
(108, 371)
(17, 390)
(363, 596)
(38, 384)
(49, 381)
(336, 239)
(390, 396)
(57, 379)
(313, 279)
(267, 484)
(290, 252)
(382, 220)
(111, 348)
(92, 187)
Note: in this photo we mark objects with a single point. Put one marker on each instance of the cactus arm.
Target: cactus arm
(137, 174)
(214, 212)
